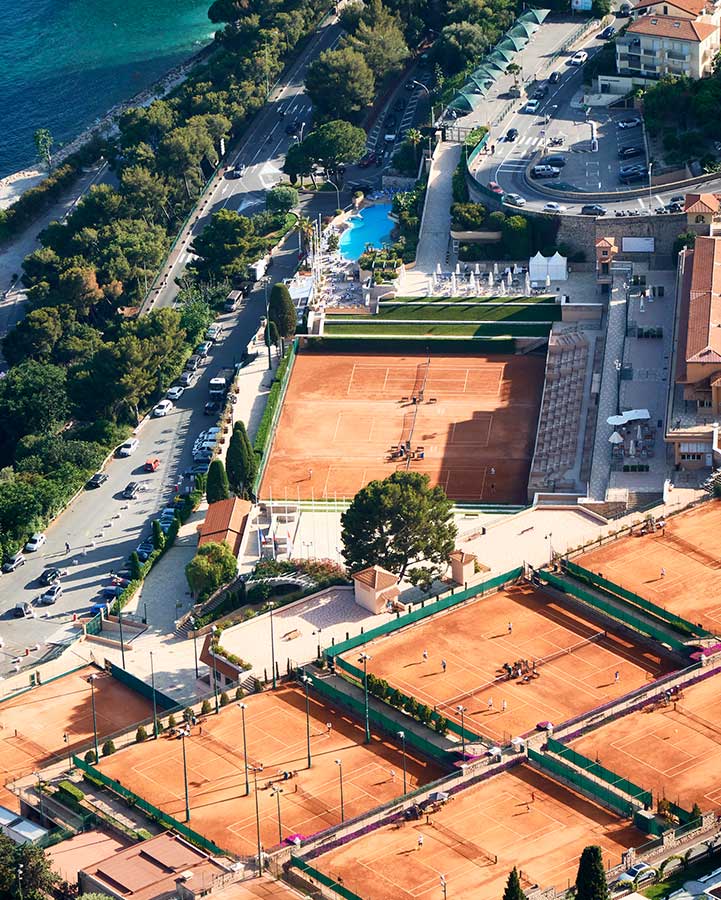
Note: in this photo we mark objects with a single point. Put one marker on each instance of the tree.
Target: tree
(33, 400)
(298, 163)
(136, 567)
(513, 890)
(379, 39)
(43, 140)
(515, 70)
(398, 521)
(281, 198)
(158, 536)
(340, 83)
(414, 138)
(223, 245)
(217, 488)
(271, 334)
(335, 143)
(282, 311)
(459, 45)
(240, 461)
(212, 566)
(37, 879)
(591, 878)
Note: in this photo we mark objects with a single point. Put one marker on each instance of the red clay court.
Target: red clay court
(672, 750)
(33, 724)
(519, 818)
(276, 738)
(689, 553)
(344, 413)
(474, 640)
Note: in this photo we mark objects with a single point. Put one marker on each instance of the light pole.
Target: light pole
(278, 790)
(120, 626)
(402, 736)
(342, 807)
(306, 683)
(40, 793)
(243, 708)
(428, 93)
(184, 733)
(257, 819)
(444, 886)
(462, 710)
(337, 192)
(195, 649)
(20, 880)
(155, 704)
(364, 657)
(618, 365)
(213, 631)
(549, 538)
(272, 646)
(650, 186)
(266, 281)
(91, 679)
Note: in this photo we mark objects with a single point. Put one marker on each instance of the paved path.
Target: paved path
(436, 225)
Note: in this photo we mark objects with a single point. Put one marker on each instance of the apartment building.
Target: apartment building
(656, 45)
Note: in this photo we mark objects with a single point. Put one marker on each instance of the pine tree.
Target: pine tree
(591, 881)
(513, 890)
(218, 488)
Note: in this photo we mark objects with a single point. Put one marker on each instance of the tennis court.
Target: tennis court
(469, 422)
(575, 664)
(686, 551)
(56, 719)
(672, 749)
(519, 818)
(276, 740)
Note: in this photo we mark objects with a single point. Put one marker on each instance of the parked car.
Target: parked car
(578, 59)
(674, 207)
(391, 122)
(554, 207)
(35, 542)
(162, 409)
(366, 161)
(607, 33)
(128, 448)
(193, 363)
(51, 595)
(211, 408)
(632, 167)
(232, 172)
(633, 178)
(630, 152)
(131, 489)
(532, 106)
(14, 562)
(540, 92)
(514, 199)
(593, 209)
(175, 392)
(511, 134)
(495, 187)
(98, 479)
(554, 77)
(638, 873)
(112, 591)
(23, 611)
(151, 464)
(629, 123)
(556, 160)
(545, 172)
(214, 333)
(204, 349)
(144, 549)
(51, 575)
(188, 379)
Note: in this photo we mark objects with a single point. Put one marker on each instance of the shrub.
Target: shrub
(205, 708)
(257, 686)
(239, 693)
(72, 790)
(441, 725)
(90, 758)
(188, 714)
(224, 699)
(160, 728)
(108, 748)
(141, 735)
(143, 834)
(171, 721)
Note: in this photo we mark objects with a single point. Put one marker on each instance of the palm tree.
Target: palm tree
(305, 227)
(414, 138)
(515, 70)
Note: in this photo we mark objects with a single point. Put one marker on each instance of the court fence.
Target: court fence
(163, 701)
(324, 880)
(269, 420)
(625, 617)
(162, 818)
(596, 791)
(567, 754)
(597, 581)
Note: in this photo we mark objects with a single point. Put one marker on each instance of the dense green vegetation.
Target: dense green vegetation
(374, 327)
(77, 358)
(480, 312)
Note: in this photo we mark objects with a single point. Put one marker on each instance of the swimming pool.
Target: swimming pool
(371, 226)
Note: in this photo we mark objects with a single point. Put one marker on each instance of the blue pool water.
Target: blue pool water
(371, 227)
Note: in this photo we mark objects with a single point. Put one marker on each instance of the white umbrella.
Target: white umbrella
(501, 288)
(490, 280)
(472, 283)
(616, 438)
(528, 283)
(458, 268)
(453, 284)
(548, 281)
(495, 268)
(632, 448)
(639, 434)
(616, 420)
(478, 269)
(509, 280)
(429, 286)
(439, 269)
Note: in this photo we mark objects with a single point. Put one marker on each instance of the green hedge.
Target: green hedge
(442, 329)
(478, 313)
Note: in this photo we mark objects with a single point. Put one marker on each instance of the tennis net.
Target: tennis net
(574, 648)
(704, 723)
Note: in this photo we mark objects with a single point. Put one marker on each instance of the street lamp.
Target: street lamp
(184, 733)
(278, 790)
(257, 819)
(444, 886)
(549, 538)
(91, 679)
(337, 192)
(40, 793)
(266, 281)
(243, 708)
(272, 646)
(306, 683)
(342, 808)
(650, 186)
(424, 88)
(155, 703)
(402, 736)
(195, 647)
(462, 710)
(213, 631)
(364, 657)
(618, 365)
(120, 626)
(20, 880)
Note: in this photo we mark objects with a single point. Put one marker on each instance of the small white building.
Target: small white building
(374, 588)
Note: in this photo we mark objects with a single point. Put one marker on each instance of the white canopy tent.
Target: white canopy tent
(543, 269)
(631, 415)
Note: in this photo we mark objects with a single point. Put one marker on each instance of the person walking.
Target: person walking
(67, 547)
(510, 627)
(616, 676)
(420, 841)
(504, 706)
(443, 665)
(425, 656)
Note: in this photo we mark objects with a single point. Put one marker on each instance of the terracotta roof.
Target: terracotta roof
(670, 27)
(391, 593)
(606, 242)
(225, 521)
(701, 203)
(703, 336)
(376, 577)
(695, 7)
(462, 556)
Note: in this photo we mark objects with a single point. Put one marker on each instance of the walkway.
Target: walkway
(436, 224)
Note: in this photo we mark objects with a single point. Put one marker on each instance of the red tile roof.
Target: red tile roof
(225, 521)
(463, 556)
(703, 335)
(376, 577)
(694, 7)
(670, 27)
(701, 203)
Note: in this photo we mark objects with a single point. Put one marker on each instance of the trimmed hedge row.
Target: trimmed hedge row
(266, 421)
(442, 329)
(443, 312)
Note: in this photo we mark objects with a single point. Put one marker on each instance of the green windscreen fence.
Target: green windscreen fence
(275, 397)
(161, 817)
(680, 624)
(325, 880)
(162, 700)
(380, 720)
(569, 755)
(423, 612)
(613, 612)
(606, 795)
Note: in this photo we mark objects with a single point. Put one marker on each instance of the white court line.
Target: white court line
(337, 426)
(351, 378)
(385, 380)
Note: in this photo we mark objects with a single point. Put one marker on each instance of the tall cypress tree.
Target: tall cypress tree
(240, 462)
(513, 890)
(217, 488)
(591, 881)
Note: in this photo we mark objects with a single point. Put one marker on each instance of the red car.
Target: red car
(151, 464)
(367, 161)
(495, 187)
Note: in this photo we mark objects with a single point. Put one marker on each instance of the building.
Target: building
(658, 45)
(702, 213)
(696, 401)
(225, 521)
(165, 866)
(681, 9)
(374, 588)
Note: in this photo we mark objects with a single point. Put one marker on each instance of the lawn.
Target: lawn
(480, 312)
(376, 326)
(676, 879)
(541, 298)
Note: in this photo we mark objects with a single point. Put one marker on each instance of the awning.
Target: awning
(615, 438)
(534, 15)
(630, 415)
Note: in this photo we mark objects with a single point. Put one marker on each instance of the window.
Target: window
(699, 219)
(695, 447)
(704, 404)
(691, 457)
(658, 290)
